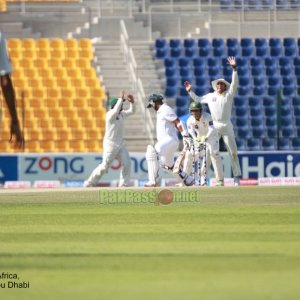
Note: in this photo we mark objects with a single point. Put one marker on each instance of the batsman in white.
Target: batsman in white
(200, 127)
(113, 144)
(162, 154)
(220, 105)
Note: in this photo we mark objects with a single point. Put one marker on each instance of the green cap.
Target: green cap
(195, 106)
(113, 102)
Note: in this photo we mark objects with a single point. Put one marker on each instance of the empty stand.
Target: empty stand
(62, 100)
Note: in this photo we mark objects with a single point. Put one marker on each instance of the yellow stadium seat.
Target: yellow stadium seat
(82, 92)
(68, 93)
(80, 102)
(35, 102)
(74, 73)
(49, 135)
(29, 43)
(95, 102)
(26, 63)
(57, 43)
(54, 63)
(85, 44)
(63, 133)
(30, 72)
(18, 74)
(97, 92)
(62, 146)
(89, 73)
(93, 134)
(30, 123)
(77, 146)
(93, 145)
(45, 72)
(83, 63)
(69, 112)
(86, 54)
(71, 53)
(73, 123)
(14, 43)
(40, 63)
(47, 146)
(20, 83)
(40, 112)
(32, 146)
(51, 102)
(98, 113)
(59, 72)
(29, 53)
(57, 53)
(43, 53)
(78, 134)
(15, 54)
(54, 113)
(28, 114)
(71, 44)
(43, 43)
(54, 93)
(49, 83)
(39, 93)
(63, 82)
(84, 113)
(33, 135)
(44, 124)
(34, 83)
(69, 63)
(92, 82)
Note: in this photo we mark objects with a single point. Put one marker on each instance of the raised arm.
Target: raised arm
(234, 82)
(130, 110)
(188, 87)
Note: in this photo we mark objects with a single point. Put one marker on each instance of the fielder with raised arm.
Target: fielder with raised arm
(200, 127)
(162, 154)
(113, 143)
(220, 105)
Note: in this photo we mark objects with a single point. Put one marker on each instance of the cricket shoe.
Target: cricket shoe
(151, 184)
(236, 181)
(88, 184)
(220, 183)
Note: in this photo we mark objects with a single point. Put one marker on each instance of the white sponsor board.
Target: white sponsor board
(279, 181)
(78, 166)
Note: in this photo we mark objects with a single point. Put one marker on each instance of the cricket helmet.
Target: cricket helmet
(153, 98)
(195, 106)
(113, 102)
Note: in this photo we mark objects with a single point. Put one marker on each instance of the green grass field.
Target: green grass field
(236, 243)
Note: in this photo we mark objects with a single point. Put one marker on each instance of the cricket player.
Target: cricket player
(162, 154)
(113, 143)
(9, 93)
(200, 127)
(220, 105)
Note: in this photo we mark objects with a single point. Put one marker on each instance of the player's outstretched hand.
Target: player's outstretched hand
(130, 98)
(15, 132)
(188, 86)
(122, 94)
(232, 61)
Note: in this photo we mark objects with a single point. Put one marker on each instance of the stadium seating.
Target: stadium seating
(265, 67)
(63, 101)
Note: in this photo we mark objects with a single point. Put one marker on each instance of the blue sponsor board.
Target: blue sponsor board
(8, 168)
(270, 164)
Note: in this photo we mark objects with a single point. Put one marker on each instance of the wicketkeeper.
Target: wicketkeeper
(162, 154)
(113, 143)
(200, 127)
(220, 106)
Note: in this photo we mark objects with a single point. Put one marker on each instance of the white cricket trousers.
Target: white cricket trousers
(166, 151)
(225, 130)
(109, 154)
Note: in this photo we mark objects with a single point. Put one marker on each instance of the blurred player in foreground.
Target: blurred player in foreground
(220, 105)
(200, 127)
(113, 144)
(162, 154)
(9, 93)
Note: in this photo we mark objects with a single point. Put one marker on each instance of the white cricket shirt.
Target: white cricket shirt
(5, 65)
(114, 127)
(203, 127)
(220, 106)
(164, 126)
